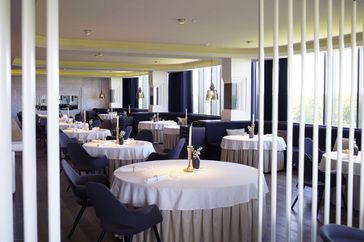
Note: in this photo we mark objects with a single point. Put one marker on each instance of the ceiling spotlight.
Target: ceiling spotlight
(181, 21)
(155, 62)
(99, 54)
(87, 31)
(248, 41)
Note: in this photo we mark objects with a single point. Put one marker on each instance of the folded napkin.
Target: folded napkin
(154, 179)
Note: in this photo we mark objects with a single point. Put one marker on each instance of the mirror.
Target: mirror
(65, 102)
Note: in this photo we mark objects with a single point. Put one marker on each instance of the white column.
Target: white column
(6, 197)
(289, 121)
(159, 79)
(361, 209)
(302, 123)
(261, 122)
(28, 122)
(340, 115)
(54, 216)
(315, 125)
(328, 113)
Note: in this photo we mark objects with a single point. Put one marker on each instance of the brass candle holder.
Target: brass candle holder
(117, 136)
(189, 168)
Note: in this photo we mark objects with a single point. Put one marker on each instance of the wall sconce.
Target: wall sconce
(101, 95)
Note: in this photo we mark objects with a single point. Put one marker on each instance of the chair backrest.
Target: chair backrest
(145, 135)
(78, 154)
(128, 132)
(107, 208)
(309, 147)
(73, 178)
(78, 117)
(96, 122)
(63, 140)
(175, 152)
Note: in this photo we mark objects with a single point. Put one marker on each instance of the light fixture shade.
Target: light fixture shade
(102, 95)
(211, 93)
(140, 94)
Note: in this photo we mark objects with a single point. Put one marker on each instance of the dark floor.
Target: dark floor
(88, 228)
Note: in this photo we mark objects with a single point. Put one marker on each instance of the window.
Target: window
(309, 83)
(201, 79)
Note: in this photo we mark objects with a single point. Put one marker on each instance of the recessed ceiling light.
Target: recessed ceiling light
(248, 41)
(87, 31)
(181, 21)
(155, 62)
(99, 54)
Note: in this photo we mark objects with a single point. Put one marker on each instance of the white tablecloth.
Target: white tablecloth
(132, 151)
(241, 149)
(345, 165)
(218, 202)
(64, 125)
(86, 135)
(108, 116)
(156, 128)
(170, 136)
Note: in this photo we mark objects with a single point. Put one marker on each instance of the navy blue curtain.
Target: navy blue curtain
(282, 90)
(130, 88)
(180, 91)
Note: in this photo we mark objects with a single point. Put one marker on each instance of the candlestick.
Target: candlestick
(189, 167)
(190, 136)
(68, 112)
(129, 108)
(186, 115)
(84, 116)
(253, 118)
(117, 122)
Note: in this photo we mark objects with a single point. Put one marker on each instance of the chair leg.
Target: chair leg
(101, 236)
(320, 198)
(343, 198)
(79, 215)
(156, 233)
(294, 203)
(68, 188)
(128, 238)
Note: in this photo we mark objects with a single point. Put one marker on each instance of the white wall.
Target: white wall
(159, 79)
(87, 89)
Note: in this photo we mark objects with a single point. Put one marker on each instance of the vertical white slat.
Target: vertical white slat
(54, 217)
(274, 122)
(361, 206)
(352, 115)
(6, 197)
(340, 114)
(261, 195)
(328, 113)
(302, 123)
(315, 123)
(289, 121)
(28, 122)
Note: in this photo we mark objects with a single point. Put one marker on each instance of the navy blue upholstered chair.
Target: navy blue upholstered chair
(78, 117)
(64, 140)
(82, 161)
(172, 154)
(96, 122)
(145, 135)
(340, 233)
(308, 150)
(128, 130)
(117, 219)
(78, 183)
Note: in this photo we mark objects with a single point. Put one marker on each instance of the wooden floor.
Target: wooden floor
(88, 228)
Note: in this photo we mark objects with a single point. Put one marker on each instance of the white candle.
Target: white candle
(190, 136)
(117, 122)
(84, 116)
(68, 112)
(186, 113)
(253, 118)
(129, 108)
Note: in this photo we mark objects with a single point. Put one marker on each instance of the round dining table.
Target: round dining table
(170, 136)
(157, 128)
(132, 151)
(244, 150)
(345, 168)
(84, 135)
(108, 116)
(218, 202)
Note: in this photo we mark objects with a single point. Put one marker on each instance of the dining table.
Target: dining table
(84, 135)
(218, 202)
(130, 152)
(170, 136)
(345, 167)
(108, 116)
(245, 150)
(157, 128)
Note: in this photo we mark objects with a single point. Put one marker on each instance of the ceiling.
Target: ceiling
(142, 35)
